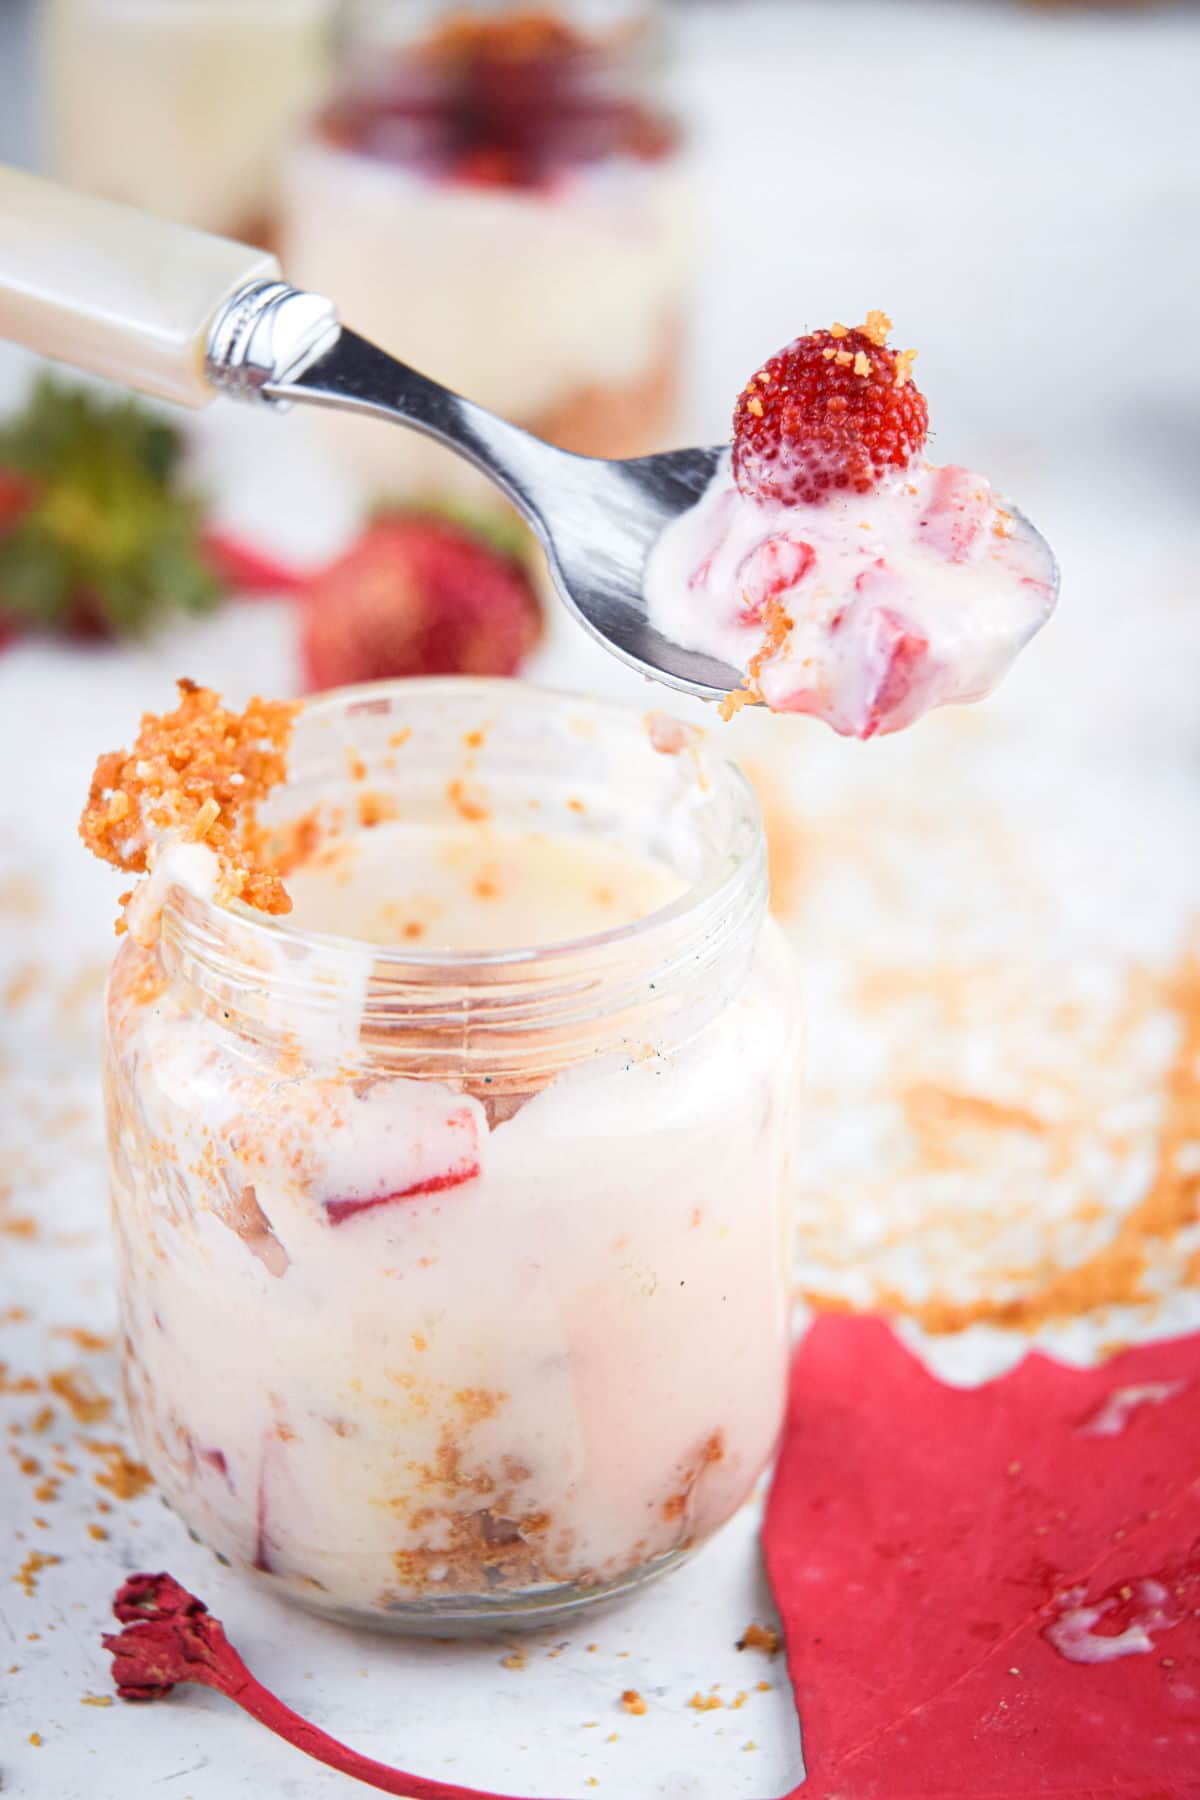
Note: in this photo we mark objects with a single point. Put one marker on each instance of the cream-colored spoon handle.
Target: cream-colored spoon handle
(112, 290)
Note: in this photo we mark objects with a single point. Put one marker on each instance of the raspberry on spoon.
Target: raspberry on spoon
(834, 412)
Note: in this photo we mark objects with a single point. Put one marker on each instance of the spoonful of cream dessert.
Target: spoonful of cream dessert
(824, 567)
(847, 576)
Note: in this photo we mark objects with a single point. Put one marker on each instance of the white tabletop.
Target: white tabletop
(1021, 191)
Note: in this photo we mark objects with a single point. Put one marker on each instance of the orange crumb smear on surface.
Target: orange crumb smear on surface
(760, 1637)
(633, 1703)
(31, 1568)
(197, 773)
(79, 1391)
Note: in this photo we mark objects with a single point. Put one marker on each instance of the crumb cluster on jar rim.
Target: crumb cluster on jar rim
(733, 873)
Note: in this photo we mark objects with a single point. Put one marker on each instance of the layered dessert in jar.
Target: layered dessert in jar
(495, 195)
(449, 1085)
(181, 106)
(829, 561)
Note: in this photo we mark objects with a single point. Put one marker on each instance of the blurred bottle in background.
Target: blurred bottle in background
(496, 193)
(181, 106)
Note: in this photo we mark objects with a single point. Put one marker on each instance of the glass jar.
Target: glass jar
(496, 195)
(454, 1285)
(180, 106)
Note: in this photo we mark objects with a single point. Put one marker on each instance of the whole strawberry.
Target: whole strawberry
(98, 534)
(418, 594)
(833, 413)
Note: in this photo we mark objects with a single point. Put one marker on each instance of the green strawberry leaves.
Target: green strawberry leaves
(96, 535)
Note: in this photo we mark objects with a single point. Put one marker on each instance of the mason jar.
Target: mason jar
(453, 1279)
(497, 195)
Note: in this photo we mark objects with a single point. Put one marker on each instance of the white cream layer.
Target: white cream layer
(916, 595)
(375, 1321)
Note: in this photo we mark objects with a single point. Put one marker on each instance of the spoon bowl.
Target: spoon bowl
(597, 521)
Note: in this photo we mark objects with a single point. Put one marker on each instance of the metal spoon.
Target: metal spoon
(596, 521)
(183, 315)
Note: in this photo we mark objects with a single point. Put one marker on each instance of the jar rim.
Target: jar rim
(717, 886)
(497, 1013)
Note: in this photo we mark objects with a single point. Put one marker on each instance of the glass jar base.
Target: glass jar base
(478, 1615)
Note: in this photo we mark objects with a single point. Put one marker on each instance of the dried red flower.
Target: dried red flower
(170, 1637)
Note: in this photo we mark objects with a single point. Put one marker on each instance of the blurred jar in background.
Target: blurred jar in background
(180, 106)
(495, 194)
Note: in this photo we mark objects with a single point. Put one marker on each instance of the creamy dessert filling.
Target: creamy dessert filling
(454, 887)
(845, 575)
(452, 1288)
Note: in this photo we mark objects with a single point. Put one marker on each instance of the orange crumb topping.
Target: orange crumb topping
(86, 1340)
(876, 326)
(468, 806)
(77, 1389)
(706, 1702)
(904, 362)
(862, 363)
(197, 773)
(778, 622)
(760, 1637)
(123, 1478)
(734, 702)
(633, 1703)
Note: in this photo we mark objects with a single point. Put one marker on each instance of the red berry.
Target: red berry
(901, 658)
(418, 595)
(831, 413)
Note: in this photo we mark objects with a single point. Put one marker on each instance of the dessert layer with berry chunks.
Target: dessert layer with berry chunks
(502, 205)
(842, 572)
(417, 1322)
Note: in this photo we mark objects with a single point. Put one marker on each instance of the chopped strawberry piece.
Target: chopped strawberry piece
(895, 655)
(444, 1154)
(957, 511)
(341, 1210)
(773, 567)
(834, 412)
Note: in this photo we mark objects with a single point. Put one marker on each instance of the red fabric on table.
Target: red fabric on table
(916, 1538)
